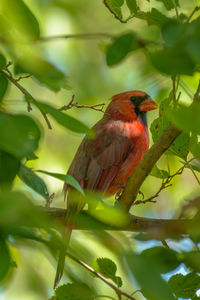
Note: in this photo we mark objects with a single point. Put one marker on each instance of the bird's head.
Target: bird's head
(131, 105)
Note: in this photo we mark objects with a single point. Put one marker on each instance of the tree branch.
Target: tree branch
(91, 270)
(158, 228)
(84, 36)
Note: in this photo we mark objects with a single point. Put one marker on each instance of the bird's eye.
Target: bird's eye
(133, 99)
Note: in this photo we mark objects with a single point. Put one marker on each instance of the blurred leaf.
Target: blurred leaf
(2, 61)
(180, 146)
(145, 272)
(108, 269)
(184, 286)
(66, 178)
(17, 210)
(132, 5)
(19, 134)
(44, 71)
(74, 291)
(191, 260)
(156, 172)
(5, 261)
(169, 4)
(155, 17)
(31, 156)
(165, 259)
(9, 166)
(3, 86)
(64, 119)
(186, 118)
(120, 47)
(21, 19)
(107, 266)
(173, 61)
(115, 7)
(33, 181)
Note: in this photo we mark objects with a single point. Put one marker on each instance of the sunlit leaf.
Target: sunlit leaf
(9, 166)
(169, 4)
(74, 291)
(185, 286)
(120, 47)
(19, 134)
(155, 17)
(3, 86)
(191, 260)
(5, 261)
(66, 178)
(21, 19)
(165, 259)
(33, 181)
(132, 5)
(115, 7)
(145, 272)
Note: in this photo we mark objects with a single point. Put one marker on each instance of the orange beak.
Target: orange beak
(148, 104)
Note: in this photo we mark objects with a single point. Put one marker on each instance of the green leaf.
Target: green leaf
(180, 146)
(132, 5)
(107, 267)
(74, 291)
(169, 4)
(120, 47)
(33, 181)
(2, 61)
(165, 259)
(24, 24)
(184, 286)
(3, 86)
(145, 272)
(186, 118)
(19, 134)
(191, 260)
(5, 261)
(115, 7)
(66, 178)
(17, 210)
(9, 166)
(64, 119)
(156, 172)
(173, 61)
(155, 17)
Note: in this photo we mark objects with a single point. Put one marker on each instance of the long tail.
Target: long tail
(63, 250)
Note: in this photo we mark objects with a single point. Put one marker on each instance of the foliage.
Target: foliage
(154, 39)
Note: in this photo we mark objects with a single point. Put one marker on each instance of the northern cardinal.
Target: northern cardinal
(106, 162)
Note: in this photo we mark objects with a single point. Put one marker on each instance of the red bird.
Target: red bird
(106, 162)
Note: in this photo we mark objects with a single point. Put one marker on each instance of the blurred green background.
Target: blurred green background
(92, 82)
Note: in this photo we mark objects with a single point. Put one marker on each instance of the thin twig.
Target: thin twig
(95, 35)
(165, 244)
(165, 184)
(176, 9)
(192, 13)
(97, 107)
(23, 77)
(118, 291)
(8, 74)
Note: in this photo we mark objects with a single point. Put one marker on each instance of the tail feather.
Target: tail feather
(63, 250)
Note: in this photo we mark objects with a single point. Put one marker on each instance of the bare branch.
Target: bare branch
(96, 107)
(91, 270)
(84, 36)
